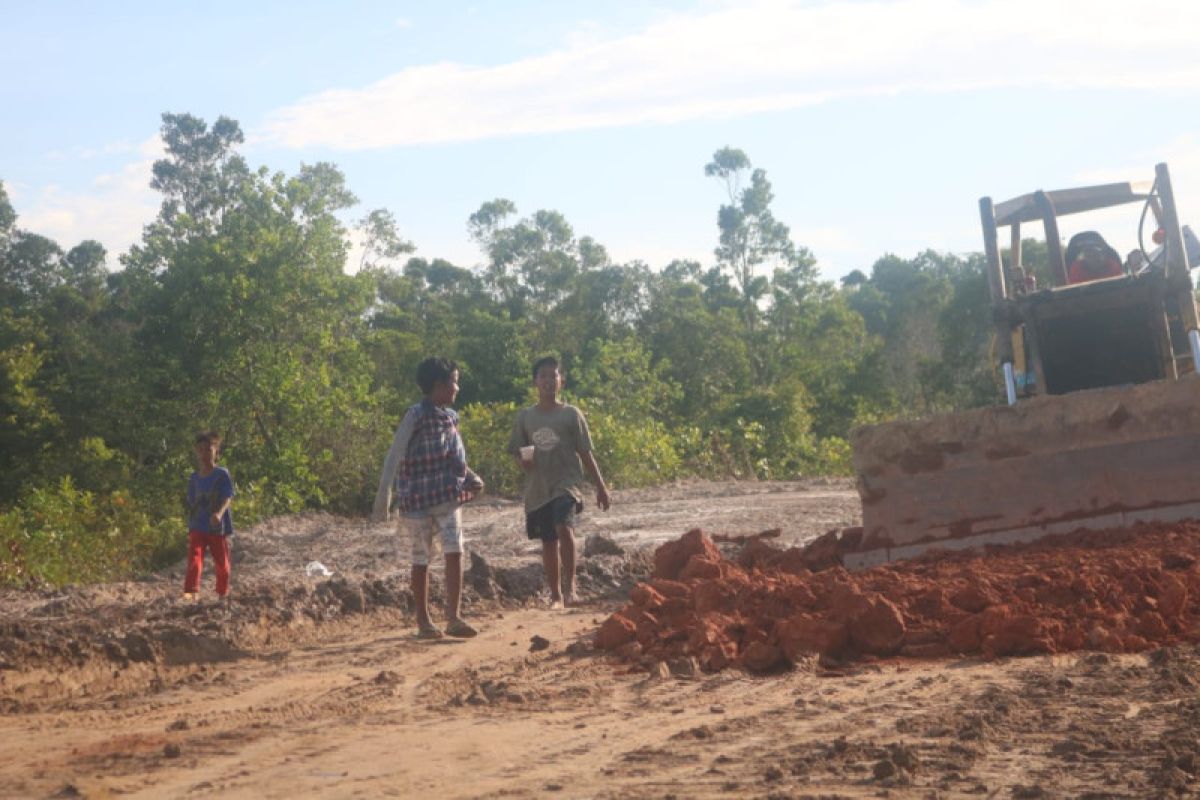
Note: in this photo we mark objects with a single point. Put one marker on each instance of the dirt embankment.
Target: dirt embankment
(99, 633)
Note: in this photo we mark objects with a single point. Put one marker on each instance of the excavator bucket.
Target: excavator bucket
(1102, 425)
(1097, 459)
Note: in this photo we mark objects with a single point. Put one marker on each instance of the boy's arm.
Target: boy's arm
(589, 463)
(474, 483)
(583, 447)
(383, 495)
(517, 440)
(220, 512)
(226, 502)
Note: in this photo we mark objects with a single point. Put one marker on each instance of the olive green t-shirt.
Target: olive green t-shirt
(558, 436)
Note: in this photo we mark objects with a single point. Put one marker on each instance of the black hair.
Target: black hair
(545, 361)
(432, 370)
(1085, 238)
(208, 437)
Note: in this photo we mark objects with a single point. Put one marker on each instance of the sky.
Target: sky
(880, 123)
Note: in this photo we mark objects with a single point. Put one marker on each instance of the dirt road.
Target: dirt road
(315, 687)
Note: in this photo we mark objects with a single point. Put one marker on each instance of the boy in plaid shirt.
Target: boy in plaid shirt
(426, 477)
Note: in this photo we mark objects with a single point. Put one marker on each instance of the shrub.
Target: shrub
(61, 534)
(485, 430)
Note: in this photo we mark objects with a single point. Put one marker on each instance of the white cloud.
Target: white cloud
(403, 24)
(112, 210)
(738, 59)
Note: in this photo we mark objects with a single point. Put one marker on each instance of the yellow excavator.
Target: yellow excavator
(1101, 428)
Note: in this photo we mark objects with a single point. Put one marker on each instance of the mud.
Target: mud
(1115, 591)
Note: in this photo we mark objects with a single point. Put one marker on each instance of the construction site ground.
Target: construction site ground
(315, 686)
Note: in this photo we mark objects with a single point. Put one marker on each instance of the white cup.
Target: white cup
(527, 453)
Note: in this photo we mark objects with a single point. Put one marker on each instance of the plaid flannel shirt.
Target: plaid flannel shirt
(434, 468)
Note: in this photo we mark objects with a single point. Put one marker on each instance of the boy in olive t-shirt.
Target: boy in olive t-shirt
(551, 443)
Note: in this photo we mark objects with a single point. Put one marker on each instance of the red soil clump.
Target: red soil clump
(1117, 591)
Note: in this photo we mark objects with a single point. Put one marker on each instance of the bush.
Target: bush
(62, 534)
(632, 452)
(485, 430)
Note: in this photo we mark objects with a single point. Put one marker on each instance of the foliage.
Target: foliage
(62, 534)
(485, 430)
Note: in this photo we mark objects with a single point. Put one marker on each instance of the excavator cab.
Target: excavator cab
(1101, 428)
(1127, 329)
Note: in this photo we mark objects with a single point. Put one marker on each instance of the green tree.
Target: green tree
(750, 236)
(250, 322)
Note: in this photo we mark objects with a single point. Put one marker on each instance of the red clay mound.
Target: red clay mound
(1115, 591)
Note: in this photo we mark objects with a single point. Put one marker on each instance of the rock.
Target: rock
(387, 678)
(884, 769)
(645, 596)
(684, 667)
(481, 577)
(520, 583)
(537, 643)
(615, 632)
(579, 648)
(171, 750)
(973, 598)
(879, 630)
(671, 557)
(600, 545)
(1172, 597)
(761, 657)
(803, 634)
(701, 567)
(669, 588)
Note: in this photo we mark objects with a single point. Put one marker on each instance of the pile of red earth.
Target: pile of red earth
(1116, 591)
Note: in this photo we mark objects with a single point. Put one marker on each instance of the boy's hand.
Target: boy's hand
(215, 520)
(602, 498)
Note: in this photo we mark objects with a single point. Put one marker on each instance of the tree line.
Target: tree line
(236, 311)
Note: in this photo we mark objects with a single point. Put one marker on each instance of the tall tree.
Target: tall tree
(750, 236)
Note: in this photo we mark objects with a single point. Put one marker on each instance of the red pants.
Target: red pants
(219, 545)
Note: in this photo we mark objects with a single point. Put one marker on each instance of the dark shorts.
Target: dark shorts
(543, 523)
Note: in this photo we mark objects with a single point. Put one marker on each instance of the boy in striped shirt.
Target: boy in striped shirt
(426, 477)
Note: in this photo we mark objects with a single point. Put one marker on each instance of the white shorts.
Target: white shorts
(444, 520)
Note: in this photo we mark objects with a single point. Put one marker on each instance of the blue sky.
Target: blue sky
(879, 124)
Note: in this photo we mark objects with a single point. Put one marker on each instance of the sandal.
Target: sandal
(461, 629)
(429, 631)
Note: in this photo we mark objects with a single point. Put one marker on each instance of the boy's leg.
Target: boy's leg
(218, 545)
(421, 531)
(420, 592)
(456, 625)
(453, 585)
(550, 563)
(566, 546)
(195, 562)
(447, 519)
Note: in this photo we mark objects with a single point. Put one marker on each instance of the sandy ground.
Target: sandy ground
(312, 686)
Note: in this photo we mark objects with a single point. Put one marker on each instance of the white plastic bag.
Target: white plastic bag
(316, 568)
